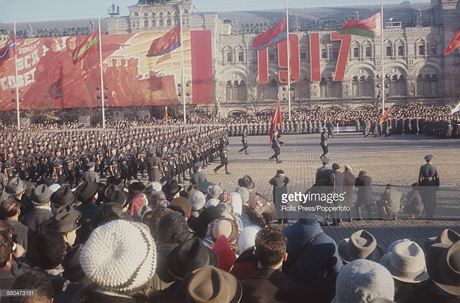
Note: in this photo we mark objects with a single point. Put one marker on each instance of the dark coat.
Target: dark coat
(317, 264)
(6, 279)
(35, 217)
(20, 233)
(90, 177)
(279, 183)
(90, 216)
(364, 185)
(273, 286)
(197, 177)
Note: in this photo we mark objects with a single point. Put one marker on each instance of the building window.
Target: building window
(240, 56)
(161, 22)
(421, 50)
(368, 52)
(433, 50)
(168, 22)
(401, 51)
(271, 57)
(335, 53)
(146, 23)
(389, 51)
(229, 56)
(323, 53)
(228, 91)
(355, 52)
(303, 55)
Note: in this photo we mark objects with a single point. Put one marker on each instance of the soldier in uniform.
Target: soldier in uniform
(428, 180)
(244, 140)
(323, 143)
(154, 166)
(276, 146)
(223, 151)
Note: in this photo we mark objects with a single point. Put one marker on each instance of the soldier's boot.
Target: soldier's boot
(226, 170)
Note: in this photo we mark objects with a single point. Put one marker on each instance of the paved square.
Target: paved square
(394, 160)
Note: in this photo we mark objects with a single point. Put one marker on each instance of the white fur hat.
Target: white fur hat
(247, 237)
(119, 256)
(198, 200)
(362, 281)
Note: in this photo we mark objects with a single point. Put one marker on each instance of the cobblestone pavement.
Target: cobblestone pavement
(394, 160)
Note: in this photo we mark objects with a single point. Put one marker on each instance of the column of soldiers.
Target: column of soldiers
(159, 154)
(286, 127)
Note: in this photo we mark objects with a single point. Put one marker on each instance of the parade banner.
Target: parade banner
(49, 79)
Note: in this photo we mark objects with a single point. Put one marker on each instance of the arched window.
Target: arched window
(168, 22)
(434, 85)
(146, 23)
(355, 52)
(402, 86)
(136, 14)
(388, 49)
(228, 91)
(420, 86)
(242, 91)
(229, 56)
(161, 23)
(362, 86)
(235, 90)
(401, 50)
(355, 87)
(421, 50)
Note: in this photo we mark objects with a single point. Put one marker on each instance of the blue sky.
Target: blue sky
(41, 10)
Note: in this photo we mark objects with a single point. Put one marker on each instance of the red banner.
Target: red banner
(315, 70)
(345, 41)
(262, 64)
(48, 78)
(202, 78)
(294, 62)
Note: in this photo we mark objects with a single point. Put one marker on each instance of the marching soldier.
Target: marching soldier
(428, 180)
(223, 151)
(244, 140)
(323, 143)
(276, 146)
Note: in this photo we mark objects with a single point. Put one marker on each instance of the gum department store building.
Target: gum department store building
(415, 38)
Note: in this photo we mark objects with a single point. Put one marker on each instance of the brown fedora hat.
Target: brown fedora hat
(360, 245)
(210, 285)
(443, 264)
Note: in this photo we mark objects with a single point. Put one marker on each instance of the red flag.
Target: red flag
(384, 117)
(82, 50)
(166, 43)
(276, 120)
(454, 44)
(273, 35)
(5, 50)
(369, 27)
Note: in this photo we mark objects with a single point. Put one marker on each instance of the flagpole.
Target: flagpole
(182, 64)
(288, 60)
(102, 74)
(18, 115)
(382, 58)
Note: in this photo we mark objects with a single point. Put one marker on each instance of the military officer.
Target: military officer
(428, 180)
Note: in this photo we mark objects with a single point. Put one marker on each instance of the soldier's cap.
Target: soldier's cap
(428, 157)
(325, 160)
(198, 164)
(280, 171)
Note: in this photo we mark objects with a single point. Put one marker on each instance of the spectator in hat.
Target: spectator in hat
(363, 281)
(389, 204)
(66, 223)
(115, 205)
(269, 283)
(279, 183)
(183, 260)
(209, 284)
(198, 200)
(15, 187)
(246, 264)
(120, 276)
(182, 205)
(172, 190)
(87, 194)
(197, 176)
(42, 208)
(39, 282)
(247, 182)
(136, 197)
(364, 185)
(154, 193)
(313, 258)
(10, 211)
(63, 198)
(324, 175)
(443, 267)
(90, 175)
(360, 245)
(349, 180)
(413, 205)
(6, 251)
(406, 263)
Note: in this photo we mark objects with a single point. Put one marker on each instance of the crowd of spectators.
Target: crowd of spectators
(199, 242)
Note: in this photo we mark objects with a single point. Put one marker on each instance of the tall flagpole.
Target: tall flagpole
(102, 74)
(16, 82)
(288, 60)
(182, 64)
(383, 92)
